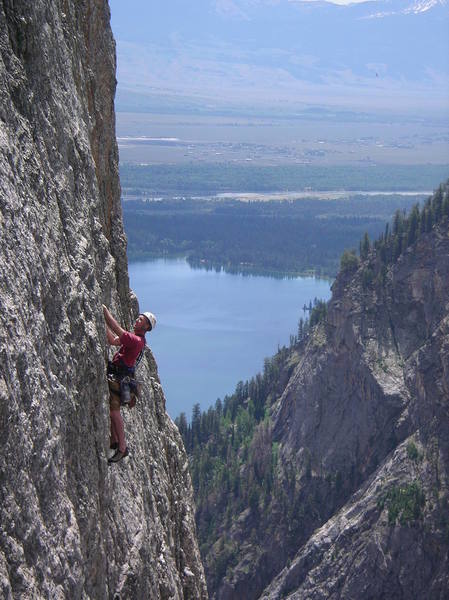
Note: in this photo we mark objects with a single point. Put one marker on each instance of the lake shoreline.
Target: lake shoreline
(243, 270)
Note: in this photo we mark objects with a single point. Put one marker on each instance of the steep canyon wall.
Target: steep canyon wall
(72, 527)
(360, 498)
(371, 406)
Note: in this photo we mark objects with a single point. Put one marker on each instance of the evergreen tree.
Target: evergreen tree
(196, 424)
(365, 247)
(429, 220)
(413, 225)
(397, 246)
(182, 424)
(301, 329)
(423, 221)
(219, 407)
(437, 204)
(398, 223)
(446, 204)
(348, 261)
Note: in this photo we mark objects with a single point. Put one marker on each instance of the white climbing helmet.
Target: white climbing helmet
(151, 319)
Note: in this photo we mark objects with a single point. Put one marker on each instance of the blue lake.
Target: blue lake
(215, 328)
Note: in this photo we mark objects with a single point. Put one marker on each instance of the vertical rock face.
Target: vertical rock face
(72, 527)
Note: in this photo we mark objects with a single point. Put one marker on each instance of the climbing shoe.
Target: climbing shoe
(113, 446)
(118, 456)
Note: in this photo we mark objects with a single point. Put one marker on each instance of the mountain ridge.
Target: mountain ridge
(417, 7)
(275, 54)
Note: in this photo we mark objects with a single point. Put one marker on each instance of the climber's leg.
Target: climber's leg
(113, 441)
(118, 430)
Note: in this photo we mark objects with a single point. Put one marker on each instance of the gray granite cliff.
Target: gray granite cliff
(72, 527)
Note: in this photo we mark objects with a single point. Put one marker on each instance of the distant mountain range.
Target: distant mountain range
(378, 54)
(408, 8)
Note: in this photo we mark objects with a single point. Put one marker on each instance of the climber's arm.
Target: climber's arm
(112, 325)
(113, 339)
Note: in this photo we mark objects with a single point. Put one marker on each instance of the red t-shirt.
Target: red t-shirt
(131, 346)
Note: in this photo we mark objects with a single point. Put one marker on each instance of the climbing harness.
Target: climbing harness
(122, 383)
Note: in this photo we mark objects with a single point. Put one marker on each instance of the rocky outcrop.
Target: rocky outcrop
(360, 498)
(72, 527)
(390, 539)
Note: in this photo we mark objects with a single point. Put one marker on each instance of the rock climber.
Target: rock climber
(121, 369)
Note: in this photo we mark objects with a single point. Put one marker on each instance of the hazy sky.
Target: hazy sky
(383, 53)
(342, 1)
